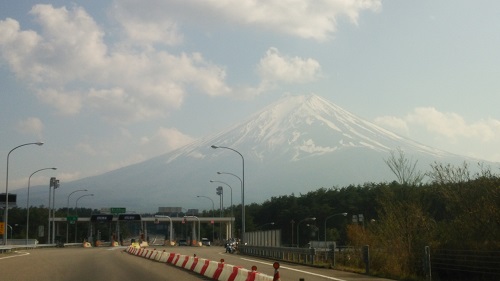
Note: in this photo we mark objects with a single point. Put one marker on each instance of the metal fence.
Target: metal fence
(433, 265)
(268, 238)
(447, 264)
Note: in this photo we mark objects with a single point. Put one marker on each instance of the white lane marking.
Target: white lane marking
(298, 270)
(20, 254)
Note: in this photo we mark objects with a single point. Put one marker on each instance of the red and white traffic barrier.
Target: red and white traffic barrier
(211, 269)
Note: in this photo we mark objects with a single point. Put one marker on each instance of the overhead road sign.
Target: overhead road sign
(129, 217)
(101, 218)
(118, 210)
(72, 219)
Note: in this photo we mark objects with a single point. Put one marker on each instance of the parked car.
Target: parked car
(205, 242)
(182, 242)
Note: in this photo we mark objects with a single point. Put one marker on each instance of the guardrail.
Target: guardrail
(299, 255)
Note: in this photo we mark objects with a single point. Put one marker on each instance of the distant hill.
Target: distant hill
(297, 144)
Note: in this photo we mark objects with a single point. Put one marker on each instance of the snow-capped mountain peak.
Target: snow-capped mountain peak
(294, 145)
(309, 125)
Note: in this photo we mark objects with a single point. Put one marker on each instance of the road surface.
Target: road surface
(83, 264)
(113, 263)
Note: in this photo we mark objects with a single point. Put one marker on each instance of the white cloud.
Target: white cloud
(73, 68)
(448, 131)
(452, 125)
(31, 125)
(70, 46)
(396, 124)
(303, 18)
(66, 103)
(150, 28)
(277, 67)
(166, 139)
(173, 138)
(17, 46)
(317, 19)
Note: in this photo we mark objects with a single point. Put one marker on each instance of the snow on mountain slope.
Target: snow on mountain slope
(305, 126)
(297, 144)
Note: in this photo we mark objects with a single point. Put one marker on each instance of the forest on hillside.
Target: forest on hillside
(456, 211)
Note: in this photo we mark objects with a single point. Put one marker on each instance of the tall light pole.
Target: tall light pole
(28, 202)
(76, 211)
(220, 192)
(306, 219)
(242, 191)
(67, 213)
(339, 214)
(241, 185)
(232, 215)
(213, 213)
(6, 213)
(54, 184)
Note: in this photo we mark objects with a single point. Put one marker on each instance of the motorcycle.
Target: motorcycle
(230, 248)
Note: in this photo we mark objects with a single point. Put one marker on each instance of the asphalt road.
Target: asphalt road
(288, 272)
(83, 264)
(109, 264)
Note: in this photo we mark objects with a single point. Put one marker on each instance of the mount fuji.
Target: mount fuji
(296, 145)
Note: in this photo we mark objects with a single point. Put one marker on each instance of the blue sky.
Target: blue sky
(106, 84)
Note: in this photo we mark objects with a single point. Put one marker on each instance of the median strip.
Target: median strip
(211, 269)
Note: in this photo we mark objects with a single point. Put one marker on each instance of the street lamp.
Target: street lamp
(339, 214)
(213, 213)
(242, 191)
(220, 191)
(54, 184)
(232, 215)
(6, 213)
(76, 211)
(241, 183)
(306, 219)
(67, 213)
(28, 202)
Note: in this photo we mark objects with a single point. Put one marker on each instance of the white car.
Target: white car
(205, 242)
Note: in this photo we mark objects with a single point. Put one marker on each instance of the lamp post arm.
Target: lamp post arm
(28, 201)
(6, 212)
(242, 191)
(343, 214)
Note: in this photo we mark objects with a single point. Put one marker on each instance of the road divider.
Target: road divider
(211, 269)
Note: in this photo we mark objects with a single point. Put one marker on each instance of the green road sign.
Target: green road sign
(118, 210)
(71, 219)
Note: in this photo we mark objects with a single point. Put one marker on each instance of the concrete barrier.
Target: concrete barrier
(170, 258)
(202, 266)
(211, 269)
